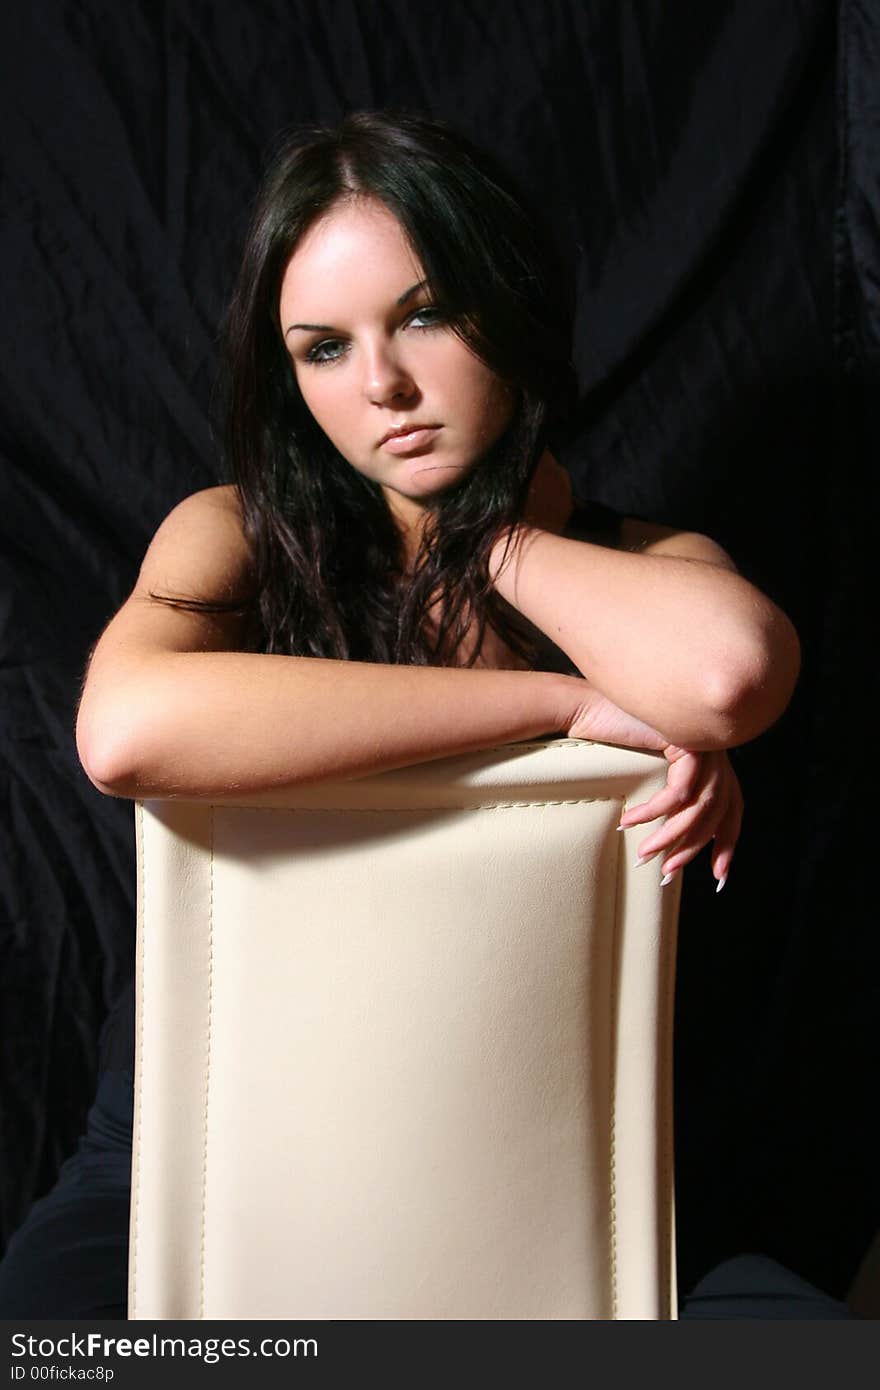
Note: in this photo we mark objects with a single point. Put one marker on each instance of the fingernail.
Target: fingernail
(721, 882)
(645, 859)
(621, 827)
(668, 878)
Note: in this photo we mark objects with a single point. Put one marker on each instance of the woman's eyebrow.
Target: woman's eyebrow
(411, 291)
(328, 327)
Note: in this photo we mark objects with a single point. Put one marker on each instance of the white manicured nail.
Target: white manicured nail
(721, 883)
(668, 878)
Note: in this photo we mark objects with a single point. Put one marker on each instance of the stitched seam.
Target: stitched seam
(417, 810)
(544, 746)
(665, 1094)
(612, 1061)
(208, 1041)
(410, 810)
(139, 815)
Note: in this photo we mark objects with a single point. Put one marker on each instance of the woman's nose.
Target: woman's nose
(387, 377)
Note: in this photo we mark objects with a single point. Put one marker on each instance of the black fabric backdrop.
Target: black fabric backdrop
(712, 171)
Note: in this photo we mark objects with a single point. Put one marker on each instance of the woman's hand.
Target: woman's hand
(703, 802)
(702, 797)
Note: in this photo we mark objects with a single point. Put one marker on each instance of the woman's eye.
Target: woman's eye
(330, 350)
(333, 349)
(432, 316)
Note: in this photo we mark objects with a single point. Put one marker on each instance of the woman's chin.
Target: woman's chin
(426, 491)
(439, 480)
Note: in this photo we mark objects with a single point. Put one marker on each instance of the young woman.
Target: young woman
(398, 570)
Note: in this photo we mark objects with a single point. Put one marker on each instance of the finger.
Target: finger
(720, 825)
(681, 847)
(726, 820)
(682, 855)
(681, 785)
(690, 829)
(672, 753)
(707, 802)
(726, 837)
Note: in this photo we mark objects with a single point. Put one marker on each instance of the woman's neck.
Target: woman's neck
(550, 502)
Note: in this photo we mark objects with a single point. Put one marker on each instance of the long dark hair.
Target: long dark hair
(328, 575)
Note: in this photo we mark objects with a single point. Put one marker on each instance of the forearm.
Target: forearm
(206, 724)
(682, 642)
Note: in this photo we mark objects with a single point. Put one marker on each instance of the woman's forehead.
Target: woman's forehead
(355, 244)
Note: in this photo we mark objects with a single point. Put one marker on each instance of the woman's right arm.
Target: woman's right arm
(170, 708)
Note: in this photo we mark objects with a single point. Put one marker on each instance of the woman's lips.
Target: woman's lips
(413, 442)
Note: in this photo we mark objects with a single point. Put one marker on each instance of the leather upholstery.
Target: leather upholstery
(403, 1047)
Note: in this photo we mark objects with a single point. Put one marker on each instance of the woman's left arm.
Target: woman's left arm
(665, 627)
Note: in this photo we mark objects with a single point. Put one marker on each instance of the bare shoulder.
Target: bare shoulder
(199, 550)
(651, 538)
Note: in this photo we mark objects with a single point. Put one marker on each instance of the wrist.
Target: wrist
(568, 698)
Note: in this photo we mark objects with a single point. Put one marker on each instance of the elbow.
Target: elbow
(103, 756)
(749, 694)
(105, 776)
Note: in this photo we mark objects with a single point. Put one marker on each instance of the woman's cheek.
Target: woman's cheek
(318, 399)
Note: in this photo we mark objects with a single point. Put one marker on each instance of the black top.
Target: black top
(116, 1042)
(593, 521)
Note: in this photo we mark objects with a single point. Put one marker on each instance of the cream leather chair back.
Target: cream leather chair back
(403, 1047)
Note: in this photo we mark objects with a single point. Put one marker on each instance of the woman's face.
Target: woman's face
(374, 359)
